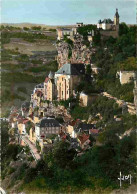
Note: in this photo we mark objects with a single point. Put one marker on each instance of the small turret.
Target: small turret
(51, 75)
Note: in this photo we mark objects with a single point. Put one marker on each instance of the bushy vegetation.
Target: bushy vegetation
(112, 56)
(29, 37)
(61, 170)
(8, 151)
(51, 66)
(22, 89)
(85, 30)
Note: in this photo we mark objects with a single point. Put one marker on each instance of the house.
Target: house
(94, 132)
(47, 126)
(95, 69)
(45, 144)
(67, 78)
(25, 108)
(38, 96)
(77, 127)
(13, 118)
(84, 141)
(90, 36)
(125, 76)
(39, 87)
(62, 136)
(51, 87)
(84, 128)
(45, 87)
(86, 99)
(32, 135)
(69, 32)
(71, 126)
(22, 126)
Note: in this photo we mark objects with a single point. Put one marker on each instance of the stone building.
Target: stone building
(69, 32)
(108, 27)
(108, 24)
(86, 100)
(50, 87)
(45, 127)
(66, 79)
(125, 76)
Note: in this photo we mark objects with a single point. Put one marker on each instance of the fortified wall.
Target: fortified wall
(106, 34)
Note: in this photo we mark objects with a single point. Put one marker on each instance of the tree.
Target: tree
(88, 70)
(123, 29)
(25, 28)
(63, 155)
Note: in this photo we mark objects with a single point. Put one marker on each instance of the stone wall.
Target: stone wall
(107, 34)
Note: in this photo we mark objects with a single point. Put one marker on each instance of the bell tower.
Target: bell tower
(116, 18)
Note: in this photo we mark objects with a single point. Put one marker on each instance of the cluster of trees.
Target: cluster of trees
(5, 36)
(85, 30)
(62, 170)
(2, 27)
(51, 66)
(128, 65)
(9, 152)
(114, 55)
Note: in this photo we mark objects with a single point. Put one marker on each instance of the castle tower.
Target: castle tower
(116, 20)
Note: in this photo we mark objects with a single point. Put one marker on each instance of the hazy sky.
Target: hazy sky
(61, 12)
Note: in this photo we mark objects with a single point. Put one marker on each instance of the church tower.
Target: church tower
(116, 20)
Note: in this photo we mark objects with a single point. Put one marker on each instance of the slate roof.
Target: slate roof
(84, 126)
(48, 122)
(41, 85)
(106, 21)
(72, 69)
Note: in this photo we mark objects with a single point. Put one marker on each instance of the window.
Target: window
(62, 93)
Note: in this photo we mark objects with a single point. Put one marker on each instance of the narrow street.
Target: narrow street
(32, 147)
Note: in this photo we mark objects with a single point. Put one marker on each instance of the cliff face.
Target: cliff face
(80, 53)
(63, 52)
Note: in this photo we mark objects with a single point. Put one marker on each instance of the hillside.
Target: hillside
(18, 56)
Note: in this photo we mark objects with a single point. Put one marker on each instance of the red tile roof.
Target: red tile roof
(74, 122)
(25, 121)
(46, 80)
(63, 135)
(94, 131)
(83, 138)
